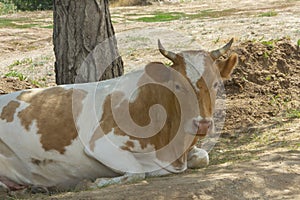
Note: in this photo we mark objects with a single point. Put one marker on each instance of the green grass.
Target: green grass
(16, 74)
(211, 14)
(48, 26)
(138, 39)
(274, 100)
(23, 70)
(162, 17)
(170, 16)
(29, 63)
(37, 83)
(7, 8)
(293, 113)
(16, 23)
(269, 43)
(266, 55)
(168, 63)
(22, 23)
(217, 40)
(268, 14)
(20, 62)
(268, 78)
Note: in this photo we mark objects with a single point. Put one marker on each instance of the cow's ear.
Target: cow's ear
(226, 66)
(158, 72)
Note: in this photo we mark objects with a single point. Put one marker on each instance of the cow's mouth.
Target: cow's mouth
(203, 127)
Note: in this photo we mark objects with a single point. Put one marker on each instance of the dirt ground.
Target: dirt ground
(258, 153)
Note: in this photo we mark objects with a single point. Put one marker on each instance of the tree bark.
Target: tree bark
(84, 42)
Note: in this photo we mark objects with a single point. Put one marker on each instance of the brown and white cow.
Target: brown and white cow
(59, 136)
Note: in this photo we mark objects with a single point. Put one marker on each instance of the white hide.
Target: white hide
(194, 67)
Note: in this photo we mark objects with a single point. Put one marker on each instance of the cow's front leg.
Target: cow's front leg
(126, 178)
(197, 158)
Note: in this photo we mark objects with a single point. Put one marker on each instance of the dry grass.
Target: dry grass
(129, 2)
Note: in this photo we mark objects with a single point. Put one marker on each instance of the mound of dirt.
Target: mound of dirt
(8, 85)
(265, 84)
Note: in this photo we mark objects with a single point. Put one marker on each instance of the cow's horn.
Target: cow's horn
(168, 54)
(219, 52)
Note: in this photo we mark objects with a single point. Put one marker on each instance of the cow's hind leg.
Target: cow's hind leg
(197, 158)
(126, 178)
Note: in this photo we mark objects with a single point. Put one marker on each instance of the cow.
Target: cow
(145, 123)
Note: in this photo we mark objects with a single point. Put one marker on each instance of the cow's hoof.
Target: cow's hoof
(197, 158)
(101, 182)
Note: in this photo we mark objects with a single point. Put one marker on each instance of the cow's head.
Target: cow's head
(204, 71)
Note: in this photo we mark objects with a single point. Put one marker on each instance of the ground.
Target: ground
(258, 153)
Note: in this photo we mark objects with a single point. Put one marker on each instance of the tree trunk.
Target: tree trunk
(84, 42)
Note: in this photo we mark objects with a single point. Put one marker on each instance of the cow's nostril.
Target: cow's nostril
(208, 125)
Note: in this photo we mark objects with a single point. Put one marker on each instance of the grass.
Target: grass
(127, 2)
(266, 55)
(170, 16)
(15, 23)
(162, 17)
(217, 40)
(37, 83)
(25, 61)
(26, 68)
(269, 44)
(211, 14)
(268, 78)
(7, 8)
(48, 26)
(168, 63)
(16, 74)
(268, 14)
(293, 113)
(30, 63)
(274, 100)
(22, 23)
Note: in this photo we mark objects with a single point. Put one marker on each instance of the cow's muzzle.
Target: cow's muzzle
(203, 126)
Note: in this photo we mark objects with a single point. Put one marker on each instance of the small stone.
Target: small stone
(260, 53)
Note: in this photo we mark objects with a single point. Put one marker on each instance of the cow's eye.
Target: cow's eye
(177, 87)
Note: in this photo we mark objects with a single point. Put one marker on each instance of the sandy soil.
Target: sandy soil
(258, 153)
